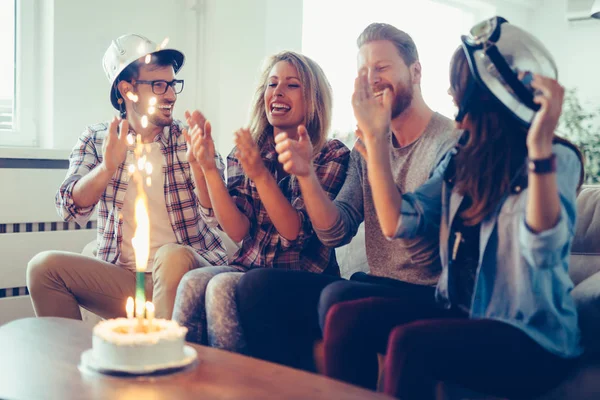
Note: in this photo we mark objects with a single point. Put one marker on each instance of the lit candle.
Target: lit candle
(139, 313)
(141, 238)
(129, 307)
(141, 242)
(150, 315)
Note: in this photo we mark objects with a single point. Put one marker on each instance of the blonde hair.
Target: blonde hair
(317, 98)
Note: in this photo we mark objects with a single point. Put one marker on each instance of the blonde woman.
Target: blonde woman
(261, 205)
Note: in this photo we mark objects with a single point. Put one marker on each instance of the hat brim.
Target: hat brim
(176, 55)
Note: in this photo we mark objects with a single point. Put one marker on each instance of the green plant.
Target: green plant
(581, 126)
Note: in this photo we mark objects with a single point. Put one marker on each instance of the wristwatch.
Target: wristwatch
(542, 165)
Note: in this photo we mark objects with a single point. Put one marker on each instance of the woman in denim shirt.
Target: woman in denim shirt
(503, 204)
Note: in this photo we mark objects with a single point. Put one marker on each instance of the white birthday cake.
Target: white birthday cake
(123, 344)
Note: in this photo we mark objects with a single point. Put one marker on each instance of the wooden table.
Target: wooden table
(40, 357)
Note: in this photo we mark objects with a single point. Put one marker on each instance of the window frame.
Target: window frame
(24, 130)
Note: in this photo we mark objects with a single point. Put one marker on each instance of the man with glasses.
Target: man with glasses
(104, 172)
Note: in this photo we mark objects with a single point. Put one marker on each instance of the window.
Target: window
(435, 26)
(17, 76)
(7, 65)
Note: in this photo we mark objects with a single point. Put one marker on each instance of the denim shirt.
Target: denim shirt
(522, 279)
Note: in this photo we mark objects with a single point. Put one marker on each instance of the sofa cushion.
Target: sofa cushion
(585, 252)
(587, 299)
(584, 268)
(352, 257)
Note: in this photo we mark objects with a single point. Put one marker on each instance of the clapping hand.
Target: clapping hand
(295, 155)
(372, 115)
(201, 147)
(248, 154)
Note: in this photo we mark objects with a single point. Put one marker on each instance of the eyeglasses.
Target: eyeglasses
(160, 87)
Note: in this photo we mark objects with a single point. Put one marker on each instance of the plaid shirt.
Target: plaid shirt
(181, 201)
(264, 246)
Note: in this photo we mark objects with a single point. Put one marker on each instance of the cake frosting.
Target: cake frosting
(121, 343)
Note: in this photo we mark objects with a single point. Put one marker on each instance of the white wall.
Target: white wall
(575, 46)
(224, 40)
(74, 37)
(239, 35)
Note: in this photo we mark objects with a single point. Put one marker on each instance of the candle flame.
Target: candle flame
(151, 110)
(148, 58)
(131, 168)
(140, 308)
(150, 315)
(144, 121)
(129, 307)
(130, 140)
(148, 181)
(152, 101)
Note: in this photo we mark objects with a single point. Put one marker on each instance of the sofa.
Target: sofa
(584, 382)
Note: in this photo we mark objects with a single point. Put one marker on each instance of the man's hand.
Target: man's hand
(115, 145)
(373, 116)
(200, 145)
(295, 155)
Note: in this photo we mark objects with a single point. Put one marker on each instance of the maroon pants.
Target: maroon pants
(425, 345)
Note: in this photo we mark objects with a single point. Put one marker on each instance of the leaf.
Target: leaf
(582, 127)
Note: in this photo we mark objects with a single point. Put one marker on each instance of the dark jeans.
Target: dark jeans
(425, 346)
(363, 285)
(279, 310)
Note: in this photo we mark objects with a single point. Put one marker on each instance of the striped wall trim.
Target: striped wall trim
(44, 227)
(30, 163)
(14, 292)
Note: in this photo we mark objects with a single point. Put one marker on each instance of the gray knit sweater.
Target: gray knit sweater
(413, 260)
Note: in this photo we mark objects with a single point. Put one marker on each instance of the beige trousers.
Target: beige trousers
(59, 282)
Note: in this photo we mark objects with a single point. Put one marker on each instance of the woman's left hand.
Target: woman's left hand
(248, 154)
(541, 132)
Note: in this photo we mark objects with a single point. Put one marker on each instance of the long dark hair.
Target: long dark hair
(495, 150)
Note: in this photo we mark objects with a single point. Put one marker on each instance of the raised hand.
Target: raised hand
(200, 145)
(248, 154)
(195, 118)
(541, 132)
(115, 145)
(295, 155)
(372, 115)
